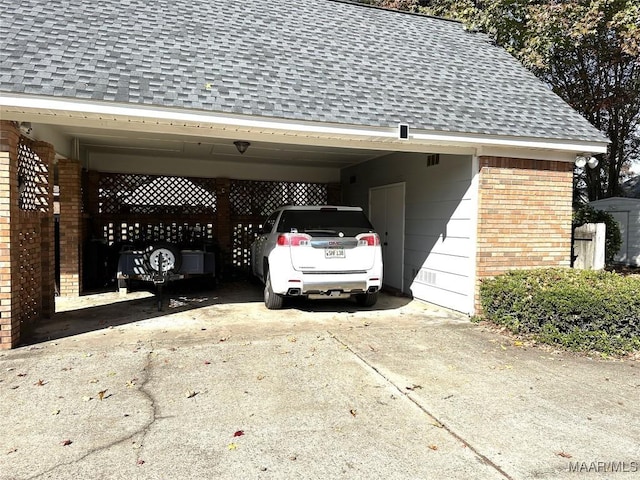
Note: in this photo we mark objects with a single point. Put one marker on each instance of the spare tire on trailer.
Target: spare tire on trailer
(162, 257)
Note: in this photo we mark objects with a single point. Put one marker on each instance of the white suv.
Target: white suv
(318, 252)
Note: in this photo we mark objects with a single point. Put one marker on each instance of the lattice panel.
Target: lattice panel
(261, 198)
(243, 237)
(33, 179)
(156, 194)
(136, 233)
(29, 277)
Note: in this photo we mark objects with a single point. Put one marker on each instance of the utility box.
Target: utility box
(588, 246)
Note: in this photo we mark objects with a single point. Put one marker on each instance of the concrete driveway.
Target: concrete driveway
(216, 386)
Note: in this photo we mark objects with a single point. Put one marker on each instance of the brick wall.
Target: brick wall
(9, 323)
(26, 237)
(524, 217)
(71, 228)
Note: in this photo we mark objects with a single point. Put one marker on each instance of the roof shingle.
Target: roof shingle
(315, 60)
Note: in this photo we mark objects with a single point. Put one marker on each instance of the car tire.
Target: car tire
(272, 300)
(367, 299)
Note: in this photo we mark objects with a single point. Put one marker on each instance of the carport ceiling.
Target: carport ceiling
(148, 144)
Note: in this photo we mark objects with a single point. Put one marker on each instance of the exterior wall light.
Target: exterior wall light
(586, 159)
(241, 145)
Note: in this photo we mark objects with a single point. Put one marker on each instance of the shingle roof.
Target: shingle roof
(316, 60)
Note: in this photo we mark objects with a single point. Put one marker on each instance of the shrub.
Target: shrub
(613, 240)
(579, 309)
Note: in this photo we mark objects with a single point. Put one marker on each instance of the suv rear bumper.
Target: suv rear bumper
(299, 283)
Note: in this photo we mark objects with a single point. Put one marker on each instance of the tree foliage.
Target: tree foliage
(588, 51)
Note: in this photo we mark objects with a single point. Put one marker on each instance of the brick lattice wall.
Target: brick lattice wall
(524, 216)
(26, 234)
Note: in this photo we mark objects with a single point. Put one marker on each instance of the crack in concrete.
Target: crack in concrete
(144, 430)
(407, 395)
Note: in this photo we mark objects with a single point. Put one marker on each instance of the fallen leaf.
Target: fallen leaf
(232, 446)
(372, 349)
(239, 433)
(518, 343)
(40, 383)
(503, 347)
(563, 454)
(353, 412)
(101, 393)
(292, 339)
(66, 443)
(433, 447)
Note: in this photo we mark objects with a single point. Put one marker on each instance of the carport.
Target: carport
(133, 112)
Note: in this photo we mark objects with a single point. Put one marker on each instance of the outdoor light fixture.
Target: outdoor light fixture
(586, 159)
(241, 145)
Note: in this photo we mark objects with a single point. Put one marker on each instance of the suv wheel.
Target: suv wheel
(367, 299)
(272, 301)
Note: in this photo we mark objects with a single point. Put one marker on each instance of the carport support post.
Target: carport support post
(9, 323)
(70, 181)
(223, 226)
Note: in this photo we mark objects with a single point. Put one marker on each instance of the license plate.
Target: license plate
(334, 253)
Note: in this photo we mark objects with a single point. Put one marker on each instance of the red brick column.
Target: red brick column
(70, 181)
(524, 215)
(9, 320)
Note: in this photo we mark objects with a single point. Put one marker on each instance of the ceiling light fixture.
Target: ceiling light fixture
(241, 145)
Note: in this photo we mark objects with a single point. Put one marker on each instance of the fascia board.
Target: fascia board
(64, 110)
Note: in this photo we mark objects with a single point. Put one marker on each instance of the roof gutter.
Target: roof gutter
(56, 111)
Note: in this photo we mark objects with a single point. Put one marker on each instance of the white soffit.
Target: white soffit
(153, 119)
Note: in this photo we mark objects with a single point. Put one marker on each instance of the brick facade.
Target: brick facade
(71, 228)
(26, 236)
(524, 215)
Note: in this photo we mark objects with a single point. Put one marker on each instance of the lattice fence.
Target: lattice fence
(142, 233)
(33, 179)
(29, 280)
(261, 198)
(140, 209)
(155, 194)
(252, 201)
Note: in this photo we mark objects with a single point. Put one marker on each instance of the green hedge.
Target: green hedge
(579, 309)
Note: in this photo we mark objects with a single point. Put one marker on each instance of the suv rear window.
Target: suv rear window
(324, 222)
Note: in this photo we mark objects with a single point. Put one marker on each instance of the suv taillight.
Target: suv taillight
(293, 240)
(368, 239)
